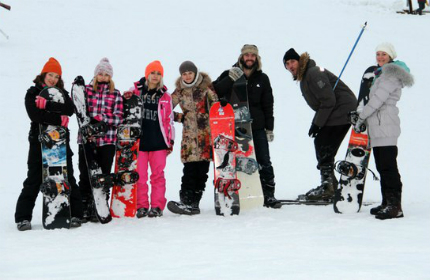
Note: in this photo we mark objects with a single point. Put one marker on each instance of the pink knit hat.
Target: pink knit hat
(104, 67)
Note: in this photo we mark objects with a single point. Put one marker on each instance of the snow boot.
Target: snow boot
(269, 196)
(23, 225)
(142, 212)
(182, 209)
(75, 222)
(155, 212)
(390, 212)
(328, 185)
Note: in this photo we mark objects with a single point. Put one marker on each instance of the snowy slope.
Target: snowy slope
(296, 242)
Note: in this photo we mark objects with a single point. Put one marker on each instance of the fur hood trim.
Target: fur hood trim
(203, 82)
(398, 70)
(303, 66)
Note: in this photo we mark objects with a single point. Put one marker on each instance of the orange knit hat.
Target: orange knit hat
(154, 66)
(52, 66)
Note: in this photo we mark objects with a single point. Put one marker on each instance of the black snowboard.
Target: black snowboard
(100, 183)
(55, 186)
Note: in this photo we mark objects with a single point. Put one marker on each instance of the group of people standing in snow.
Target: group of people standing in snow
(195, 93)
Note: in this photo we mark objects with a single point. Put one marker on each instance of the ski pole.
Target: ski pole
(2, 32)
(350, 54)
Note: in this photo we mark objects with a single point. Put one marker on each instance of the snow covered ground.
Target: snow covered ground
(295, 242)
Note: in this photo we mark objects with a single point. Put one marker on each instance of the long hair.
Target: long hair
(160, 84)
(111, 84)
(40, 80)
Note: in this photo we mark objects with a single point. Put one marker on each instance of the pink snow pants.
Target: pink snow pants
(157, 162)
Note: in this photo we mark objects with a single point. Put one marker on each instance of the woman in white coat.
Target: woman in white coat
(381, 115)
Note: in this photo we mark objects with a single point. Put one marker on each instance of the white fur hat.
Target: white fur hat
(388, 48)
(104, 67)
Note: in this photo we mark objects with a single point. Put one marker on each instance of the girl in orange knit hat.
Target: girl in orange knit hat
(39, 111)
(156, 141)
(104, 105)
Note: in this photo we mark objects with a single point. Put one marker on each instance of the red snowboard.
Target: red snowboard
(221, 121)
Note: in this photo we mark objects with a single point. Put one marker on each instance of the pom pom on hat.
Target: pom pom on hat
(52, 66)
(152, 67)
(104, 67)
(387, 48)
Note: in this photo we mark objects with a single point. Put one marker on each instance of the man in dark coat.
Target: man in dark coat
(260, 99)
(330, 123)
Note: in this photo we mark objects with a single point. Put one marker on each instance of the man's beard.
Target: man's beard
(253, 66)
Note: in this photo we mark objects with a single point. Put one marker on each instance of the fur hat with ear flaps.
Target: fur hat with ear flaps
(249, 49)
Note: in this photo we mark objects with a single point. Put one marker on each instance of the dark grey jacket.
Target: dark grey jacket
(316, 83)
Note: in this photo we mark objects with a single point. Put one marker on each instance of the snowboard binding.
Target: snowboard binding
(51, 188)
(352, 171)
(126, 177)
(227, 186)
(97, 129)
(246, 165)
(102, 181)
(53, 136)
(224, 143)
(353, 118)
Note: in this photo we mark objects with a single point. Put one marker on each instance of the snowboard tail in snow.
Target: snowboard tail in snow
(124, 192)
(55, 186)
(221, 120)
(251, 192)
(100, 183)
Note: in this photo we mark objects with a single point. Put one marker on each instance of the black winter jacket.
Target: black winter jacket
(50, 115)
(260, 97)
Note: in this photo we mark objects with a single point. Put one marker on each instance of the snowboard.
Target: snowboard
(251, 192)
(348, 197)
(124, 192)
(221, 121)
(55, 186)
(100, 183)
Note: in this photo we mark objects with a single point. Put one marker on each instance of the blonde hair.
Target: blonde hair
(111, 84)
(160, 84)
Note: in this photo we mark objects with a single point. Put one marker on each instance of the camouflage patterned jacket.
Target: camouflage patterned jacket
(195, 103)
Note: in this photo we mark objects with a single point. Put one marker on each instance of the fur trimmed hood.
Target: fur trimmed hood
(305, 59)
(398, 70)
(203, 82)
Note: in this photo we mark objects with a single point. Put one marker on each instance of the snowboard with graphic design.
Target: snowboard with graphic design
(348, 197)
(55, 186)
(221, 120)
(124, 192)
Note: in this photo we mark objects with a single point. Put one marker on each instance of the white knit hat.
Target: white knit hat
(104, 67)
(388, 48)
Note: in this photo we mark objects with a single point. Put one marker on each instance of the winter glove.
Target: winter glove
(359, 126)
(170, 149)
(40, 102)
(270, 135)
(127, 94)
(79, 81)
(313, 131)
(235, 73)
(64, 120)
(223, 102)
